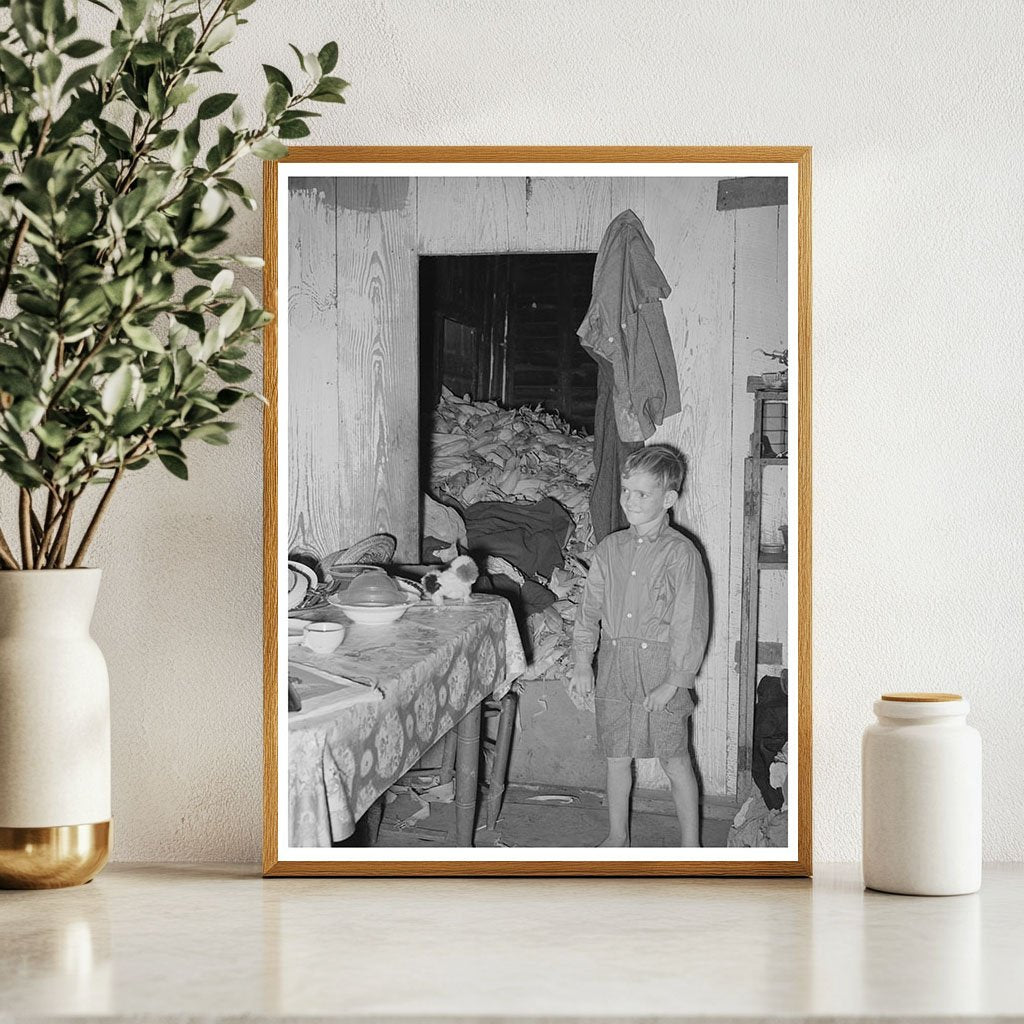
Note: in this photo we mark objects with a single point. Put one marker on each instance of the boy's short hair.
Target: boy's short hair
(662, 461)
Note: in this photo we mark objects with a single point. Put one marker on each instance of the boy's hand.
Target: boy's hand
(581, 682)
(659, 697)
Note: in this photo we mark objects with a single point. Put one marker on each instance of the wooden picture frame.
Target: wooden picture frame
(742, 217)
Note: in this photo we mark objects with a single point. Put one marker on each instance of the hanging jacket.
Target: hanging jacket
(625, 324)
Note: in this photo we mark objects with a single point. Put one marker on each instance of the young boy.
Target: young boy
(648, 590)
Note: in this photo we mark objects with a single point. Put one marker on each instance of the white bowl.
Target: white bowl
(373, 615)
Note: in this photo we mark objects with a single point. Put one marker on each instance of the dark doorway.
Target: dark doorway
(503, 328)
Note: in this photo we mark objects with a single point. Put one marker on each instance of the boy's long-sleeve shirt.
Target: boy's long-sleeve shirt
(651, 589)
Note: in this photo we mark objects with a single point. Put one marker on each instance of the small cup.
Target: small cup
(323, 637)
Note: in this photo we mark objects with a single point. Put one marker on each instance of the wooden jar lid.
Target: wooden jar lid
(921, 698)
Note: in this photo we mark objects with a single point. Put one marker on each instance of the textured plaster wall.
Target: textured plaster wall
(913, 110)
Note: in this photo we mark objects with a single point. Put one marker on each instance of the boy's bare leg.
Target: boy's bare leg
(620, 783)
(686, 796)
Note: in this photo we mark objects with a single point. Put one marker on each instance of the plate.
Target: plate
(300, 579)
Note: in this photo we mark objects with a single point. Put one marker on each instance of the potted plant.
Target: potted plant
(122, 340)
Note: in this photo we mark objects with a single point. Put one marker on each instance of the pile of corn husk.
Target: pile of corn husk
(482, 452)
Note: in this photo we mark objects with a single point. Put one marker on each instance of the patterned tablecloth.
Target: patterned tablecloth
(349, 743)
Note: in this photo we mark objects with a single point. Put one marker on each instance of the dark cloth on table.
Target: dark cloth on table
(609, 454)
(525, 599)
(530, 536)
(626, 325)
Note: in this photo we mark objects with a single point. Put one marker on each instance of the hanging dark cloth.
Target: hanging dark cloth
(625, 324)
(609, 453)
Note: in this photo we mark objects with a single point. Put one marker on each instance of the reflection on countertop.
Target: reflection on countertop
(177, 941)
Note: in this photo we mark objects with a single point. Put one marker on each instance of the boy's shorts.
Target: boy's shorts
(627, 670)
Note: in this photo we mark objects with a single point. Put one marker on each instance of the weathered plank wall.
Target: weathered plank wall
(353, 369)
(352, 433)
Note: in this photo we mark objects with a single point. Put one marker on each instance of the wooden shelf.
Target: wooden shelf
(773, 559)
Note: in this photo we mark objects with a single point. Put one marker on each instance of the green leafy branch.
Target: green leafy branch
(116, 192)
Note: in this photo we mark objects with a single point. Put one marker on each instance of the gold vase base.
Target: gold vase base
(53, 857)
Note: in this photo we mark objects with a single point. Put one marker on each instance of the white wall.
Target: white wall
(913, 110)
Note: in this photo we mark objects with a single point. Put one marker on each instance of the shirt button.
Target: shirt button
(615, 643)
(640, 541)
(633, 573)
(629, 615)
(643, 647)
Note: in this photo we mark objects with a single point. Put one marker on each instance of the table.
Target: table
(216, 943)
(349, 744)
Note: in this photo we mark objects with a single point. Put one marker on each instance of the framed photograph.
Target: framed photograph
(538, 511)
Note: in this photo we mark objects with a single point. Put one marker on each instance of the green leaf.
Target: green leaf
(109, 65)
(193, 379)
(26, 413)
(328, 58)
(221, 35)
(82, 48)
(14, 68)
(77, 79)
(145, 54)
(232, 319)
(133, 13)
(181, 94)
(292, 130)
(325, 96)
(232, 373)
(53, 435)
(227, 397)
(276, 100)
(116, 390)
(274, 76)
(128, 421)
(175, 465)
(53, 15)
(156, 101)
(222, 282)
(269, 149)
(21, 471)
(184, 44)
(144, 338)
(211, 433)
(49, 68)
(214, 105)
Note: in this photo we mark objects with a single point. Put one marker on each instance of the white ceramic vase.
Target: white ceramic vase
(54, 731)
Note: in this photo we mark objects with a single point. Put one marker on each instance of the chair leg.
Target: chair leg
(467, 767)
(502, 748)
(448, 758)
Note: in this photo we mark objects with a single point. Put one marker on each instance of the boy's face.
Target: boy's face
(643, 499)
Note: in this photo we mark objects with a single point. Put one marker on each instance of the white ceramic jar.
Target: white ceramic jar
(921, 777)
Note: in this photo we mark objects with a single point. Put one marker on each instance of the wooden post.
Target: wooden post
(748, 616)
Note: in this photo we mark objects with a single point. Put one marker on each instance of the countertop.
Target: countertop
(173, 942)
